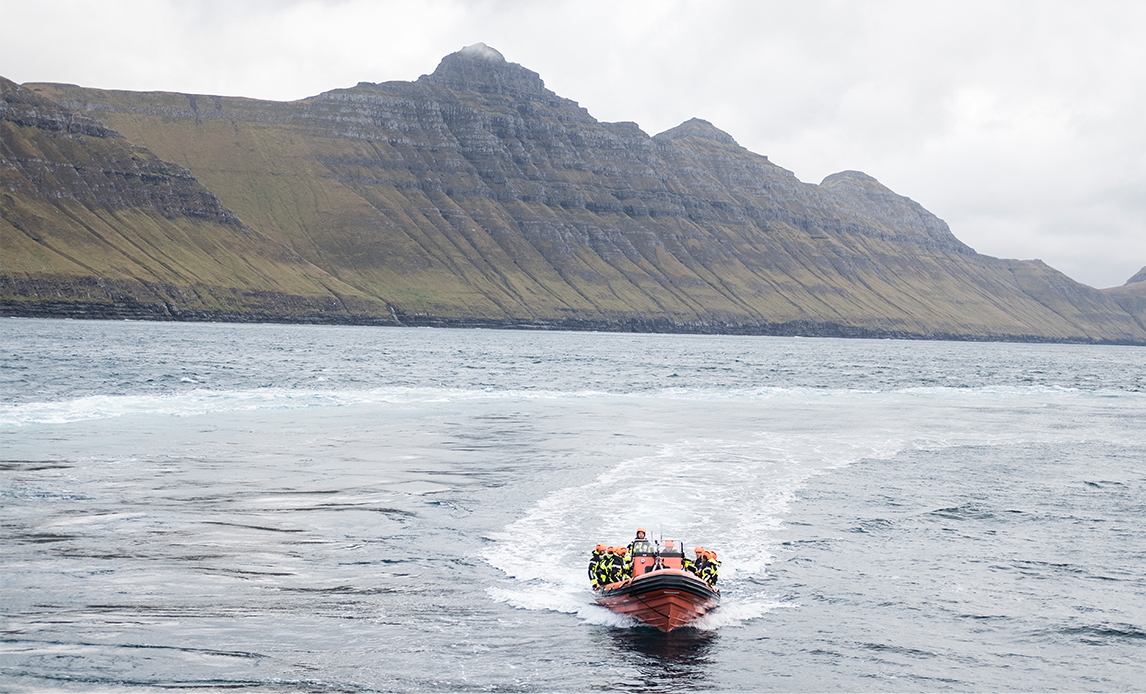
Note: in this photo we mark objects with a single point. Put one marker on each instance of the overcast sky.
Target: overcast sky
(1019, 123)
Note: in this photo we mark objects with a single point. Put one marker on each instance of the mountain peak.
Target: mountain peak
(865, 197)
(1140, 276)
(697, 127)
(855, 177)
(856, 182)
(480, 51)
(480, 68)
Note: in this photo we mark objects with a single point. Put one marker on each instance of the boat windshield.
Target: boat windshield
(672, 549)
(642, 548)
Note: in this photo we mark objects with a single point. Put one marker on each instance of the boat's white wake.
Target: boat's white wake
(731, 496)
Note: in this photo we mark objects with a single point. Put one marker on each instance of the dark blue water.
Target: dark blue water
(289, 508)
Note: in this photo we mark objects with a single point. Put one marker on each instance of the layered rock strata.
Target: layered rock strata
(476, 196)
(95, 226)
(1131, 296)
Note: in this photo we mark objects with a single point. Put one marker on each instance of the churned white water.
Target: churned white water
(300, 508)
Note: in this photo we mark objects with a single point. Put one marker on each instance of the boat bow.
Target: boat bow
(665, 598)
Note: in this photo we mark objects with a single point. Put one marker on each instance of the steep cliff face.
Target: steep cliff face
(476, 195)
(63, 155)
(95, 226)
(1131, 296)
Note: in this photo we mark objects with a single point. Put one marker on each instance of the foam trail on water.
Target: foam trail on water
(200, 402)
(731, 496)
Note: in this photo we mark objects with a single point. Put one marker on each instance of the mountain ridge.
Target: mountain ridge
(94, 226)
(476, 196)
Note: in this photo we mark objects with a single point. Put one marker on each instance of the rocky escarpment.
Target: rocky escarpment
(475, 195)
(1131, 296)
(102, 166)
(94, 226)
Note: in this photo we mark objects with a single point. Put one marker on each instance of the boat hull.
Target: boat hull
(665, 599)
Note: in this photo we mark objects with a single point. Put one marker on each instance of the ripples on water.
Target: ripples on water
(349, 509)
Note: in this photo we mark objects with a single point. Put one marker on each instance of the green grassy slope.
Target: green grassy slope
(475, 194)
(1131, 296)
(91, 220)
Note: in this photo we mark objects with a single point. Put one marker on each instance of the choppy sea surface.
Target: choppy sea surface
(340, 509)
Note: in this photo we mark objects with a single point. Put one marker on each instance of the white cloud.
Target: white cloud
(1017, 122)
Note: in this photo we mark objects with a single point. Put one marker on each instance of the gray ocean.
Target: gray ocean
(276, 508)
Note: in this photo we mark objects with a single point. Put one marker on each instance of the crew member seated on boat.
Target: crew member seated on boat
(711, 570)
(612, 565)
(617, 570)
(595, 566)
(626, 564)
(715, 567)
(605, 566)
(700, 565)
(690, 565)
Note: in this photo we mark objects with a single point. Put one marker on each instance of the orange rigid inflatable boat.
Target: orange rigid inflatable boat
(660, 593)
